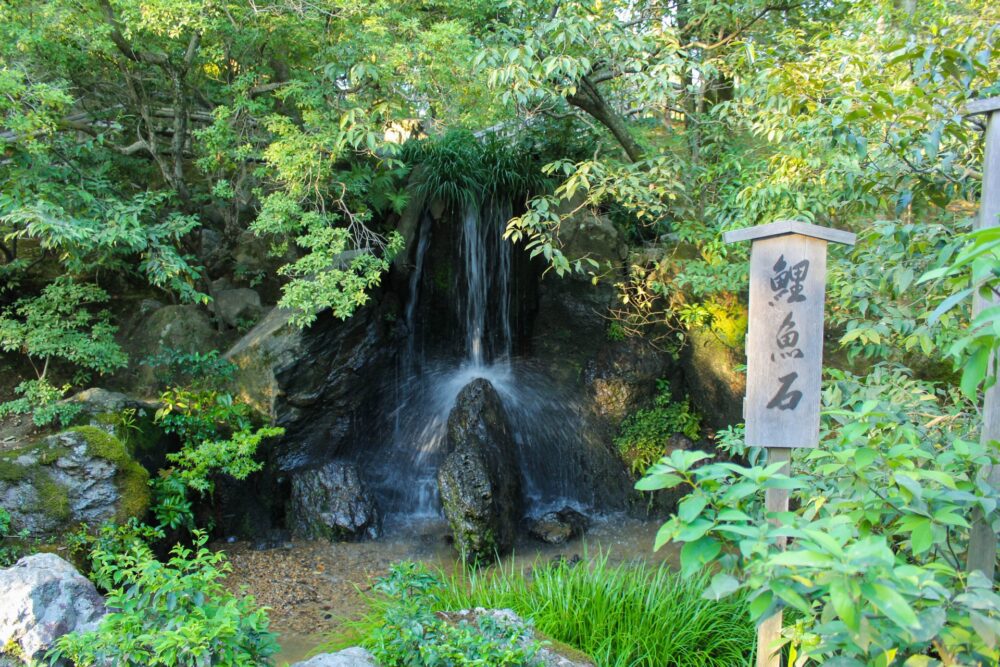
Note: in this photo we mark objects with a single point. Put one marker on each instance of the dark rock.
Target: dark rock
(275, 538)
(549, 529)
(479, 481)
(559, 527)
(80, 476)
(316, 382)
(716, 389)
(237, 306)
(44, 598)
(331, 502)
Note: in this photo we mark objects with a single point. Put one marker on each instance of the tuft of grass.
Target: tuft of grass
(629, 615)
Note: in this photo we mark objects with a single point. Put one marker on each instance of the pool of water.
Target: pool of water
(315, 589)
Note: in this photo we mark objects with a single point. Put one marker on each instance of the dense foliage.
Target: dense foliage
(173, 613)
(645, 435)
(146, 145)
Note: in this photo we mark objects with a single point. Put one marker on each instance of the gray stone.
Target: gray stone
(548, 655)
(354, 656)
(479, 481)
(44, 597)
(331, 502)
(98, 401)
(236, 306)
(80, 476)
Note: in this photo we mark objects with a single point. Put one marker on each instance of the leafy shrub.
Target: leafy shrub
(643, 436)
(461, 170)
(42, 401)
(57, 325)
(407, 632)
(217, 437)
(875, 569)
(623, 616)
(173, 614)
(195, 370)
(9, 552)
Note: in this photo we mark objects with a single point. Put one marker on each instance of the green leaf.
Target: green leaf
(892, 604)
(844, 604)
(695, 555)
(690, 507)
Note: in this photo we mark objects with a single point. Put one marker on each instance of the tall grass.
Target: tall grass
(630, 615)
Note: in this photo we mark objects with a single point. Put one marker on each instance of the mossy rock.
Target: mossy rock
(81, 476)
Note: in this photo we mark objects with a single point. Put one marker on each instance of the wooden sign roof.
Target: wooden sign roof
(982, 106)
(782, 227)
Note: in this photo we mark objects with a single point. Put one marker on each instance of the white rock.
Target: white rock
(44, 597)
(349, 657)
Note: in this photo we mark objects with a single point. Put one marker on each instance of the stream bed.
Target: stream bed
(315, 588)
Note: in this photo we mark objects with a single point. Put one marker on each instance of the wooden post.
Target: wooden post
(982, 554)
(784, 358)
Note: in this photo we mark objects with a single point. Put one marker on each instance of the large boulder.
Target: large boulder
(44, 598)
(709, 360)
(331, 502)
(479, 480)
(354, 656)
(83, 475)
(315, 382)
(185, 328)
(182, 328)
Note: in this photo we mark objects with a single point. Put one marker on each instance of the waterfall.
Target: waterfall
(546, 425)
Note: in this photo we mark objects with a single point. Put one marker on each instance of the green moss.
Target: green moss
(131, 479)
(136, 428)
(11, 471)
(563, 649)
(728, 323)
(53, 498)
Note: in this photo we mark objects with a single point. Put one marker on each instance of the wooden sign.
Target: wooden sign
(785, 336)
(982, 553)
(784, 358)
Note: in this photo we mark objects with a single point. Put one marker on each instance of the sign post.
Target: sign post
(982, 554)
(784, 356)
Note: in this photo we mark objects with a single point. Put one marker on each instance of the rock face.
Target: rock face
(349, 657)
(716, 389)
(316, 383)
(44, 597)
(606, 376)
(331, 502)
(559, 527)
(479, 481)
(83, 475)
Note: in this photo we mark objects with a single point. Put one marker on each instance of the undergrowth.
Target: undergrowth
(628, 615)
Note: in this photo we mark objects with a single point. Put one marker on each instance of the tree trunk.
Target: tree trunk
(589, 99)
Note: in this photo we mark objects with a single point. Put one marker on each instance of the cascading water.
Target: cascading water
(545, 424)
